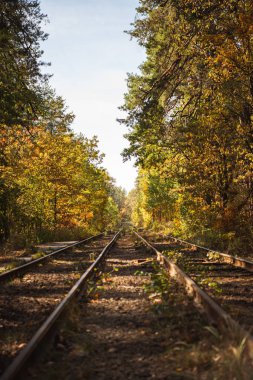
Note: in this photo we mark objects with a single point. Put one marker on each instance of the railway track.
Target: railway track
(128, 332)
(227, 278)
(222, 289)
(20, 270)
(224, 257)
(30, 307)
(104, 320)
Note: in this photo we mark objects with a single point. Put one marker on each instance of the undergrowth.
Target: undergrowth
(202, 279)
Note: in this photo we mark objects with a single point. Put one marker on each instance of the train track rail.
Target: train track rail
(226, 258)
(22, 269)
(26, 320)
(228, 301)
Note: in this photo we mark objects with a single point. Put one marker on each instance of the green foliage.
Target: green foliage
(140, 273)
(174, 256)
(214, 286)
(213, 256)
(38, 255)
(159, 284)
(20, 53)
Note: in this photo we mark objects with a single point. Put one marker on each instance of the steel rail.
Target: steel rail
(20, 270)
(23, 357)
(225, 257)
(201, 299)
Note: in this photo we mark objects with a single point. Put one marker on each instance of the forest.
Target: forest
(189, 120)
(189, 115)
(52, 184)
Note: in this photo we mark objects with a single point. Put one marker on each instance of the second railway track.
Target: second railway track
(229, 285)
(24, 268)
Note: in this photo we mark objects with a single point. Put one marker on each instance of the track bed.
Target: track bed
(129, 330)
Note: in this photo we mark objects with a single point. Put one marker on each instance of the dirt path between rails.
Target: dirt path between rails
(127, 333)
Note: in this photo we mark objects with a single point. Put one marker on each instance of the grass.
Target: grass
(38, 255)
(10, 266)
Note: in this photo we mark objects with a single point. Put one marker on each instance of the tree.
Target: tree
(189, 112)
(51, 180)
(20, 53)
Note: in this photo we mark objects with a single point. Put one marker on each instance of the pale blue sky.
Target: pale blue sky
(90, 56)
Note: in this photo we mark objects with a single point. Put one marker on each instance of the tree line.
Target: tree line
(52, 182)
(189, 119)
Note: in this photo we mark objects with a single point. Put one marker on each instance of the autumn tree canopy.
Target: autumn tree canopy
(52, 182)
(189, 111)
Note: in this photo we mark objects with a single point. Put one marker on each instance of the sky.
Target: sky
(90, 57)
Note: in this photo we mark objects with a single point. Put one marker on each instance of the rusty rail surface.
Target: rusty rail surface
(226, 258)
(22, 359)
(22, 269)
(201, 299)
